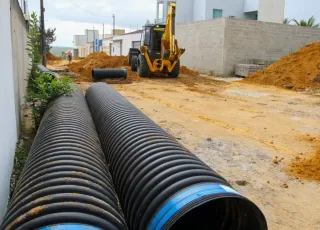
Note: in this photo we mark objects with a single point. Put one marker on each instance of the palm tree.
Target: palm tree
(309, 23)
(287, 21)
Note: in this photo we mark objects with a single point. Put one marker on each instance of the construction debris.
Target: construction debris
(298, 70)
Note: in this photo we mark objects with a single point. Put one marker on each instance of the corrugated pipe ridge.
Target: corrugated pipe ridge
(160, 184)
(65, 183)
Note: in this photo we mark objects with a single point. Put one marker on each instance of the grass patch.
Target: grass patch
(19, 161)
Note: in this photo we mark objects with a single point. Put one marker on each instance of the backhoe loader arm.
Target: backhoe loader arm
(168, 38)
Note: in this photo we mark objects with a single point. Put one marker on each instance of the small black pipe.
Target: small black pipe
(43, 69)
(100, 74)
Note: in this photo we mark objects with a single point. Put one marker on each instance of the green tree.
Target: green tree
(50, 38)
(287, 21)
(63, 55)
(33, 44)
(42, 88)
(310, 23)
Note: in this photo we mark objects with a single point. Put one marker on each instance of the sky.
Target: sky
(71, 17)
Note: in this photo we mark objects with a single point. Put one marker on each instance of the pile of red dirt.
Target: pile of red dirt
(298, 70)
(306, 168)
(51, 57)
(97, 60)
(185, 70)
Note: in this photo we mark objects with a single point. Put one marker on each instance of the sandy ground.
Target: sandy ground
(239, 129)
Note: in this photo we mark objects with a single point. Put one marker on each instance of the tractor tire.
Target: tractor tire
(134, 63)
(143, 68)
(176, 71)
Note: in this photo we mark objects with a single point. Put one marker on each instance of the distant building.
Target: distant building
(121, 44)
(92, 41)
(262, 10)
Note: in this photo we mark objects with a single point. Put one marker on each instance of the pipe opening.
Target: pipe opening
(222, 213)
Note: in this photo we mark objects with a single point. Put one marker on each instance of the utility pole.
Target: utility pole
(114, 25)
(94, 40)
(102, 35)
(42, 31)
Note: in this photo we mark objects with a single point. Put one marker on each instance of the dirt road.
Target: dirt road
(239, 130)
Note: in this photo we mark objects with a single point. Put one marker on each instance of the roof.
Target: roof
(134, 32)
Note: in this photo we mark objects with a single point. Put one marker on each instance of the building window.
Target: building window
(217, 13)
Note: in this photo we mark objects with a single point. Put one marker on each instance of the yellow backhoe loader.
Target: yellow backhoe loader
(159, 53)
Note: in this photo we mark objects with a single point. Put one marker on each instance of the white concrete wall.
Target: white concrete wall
(19, 33)
(229, 7)
(251, 5)
(204, 43)
(271, 11)
(302, 10)
(199, 10)
(8, 123)
(126, 43)
(184, 11)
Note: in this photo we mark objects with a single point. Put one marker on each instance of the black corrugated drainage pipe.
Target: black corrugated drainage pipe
(43, 69)
(100, 74)
(160, 184)
(65, 183)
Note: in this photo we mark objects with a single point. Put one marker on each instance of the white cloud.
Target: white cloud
(69, 19)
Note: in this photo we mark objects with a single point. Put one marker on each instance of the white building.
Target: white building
(262, 10)
(121, 44)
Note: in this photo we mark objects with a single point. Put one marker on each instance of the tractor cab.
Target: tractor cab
(151, 38)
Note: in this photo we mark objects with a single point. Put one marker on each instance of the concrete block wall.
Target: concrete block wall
(246, 39)
(219, 44)
(204, 44)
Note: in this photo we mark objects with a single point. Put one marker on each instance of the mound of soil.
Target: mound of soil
(306, 168)
(298, 70)
(51, 57)
(97, 60)
(185, 70)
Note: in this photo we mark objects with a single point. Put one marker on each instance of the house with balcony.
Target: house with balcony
(262, 10)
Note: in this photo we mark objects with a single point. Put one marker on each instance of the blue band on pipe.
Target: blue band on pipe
(184, 198)
(70, 227)
(125, 73)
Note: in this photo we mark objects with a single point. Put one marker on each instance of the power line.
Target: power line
(88, 10)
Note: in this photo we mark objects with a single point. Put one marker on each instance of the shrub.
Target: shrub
(46, 88)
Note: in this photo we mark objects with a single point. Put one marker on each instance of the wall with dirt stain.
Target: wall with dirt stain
(218, 45)
(248, 39)
(204, 43)
(13, 66)
(19, 34)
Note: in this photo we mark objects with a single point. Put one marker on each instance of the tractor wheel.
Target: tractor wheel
(143, 68)
(134, 63)
(176, 71)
